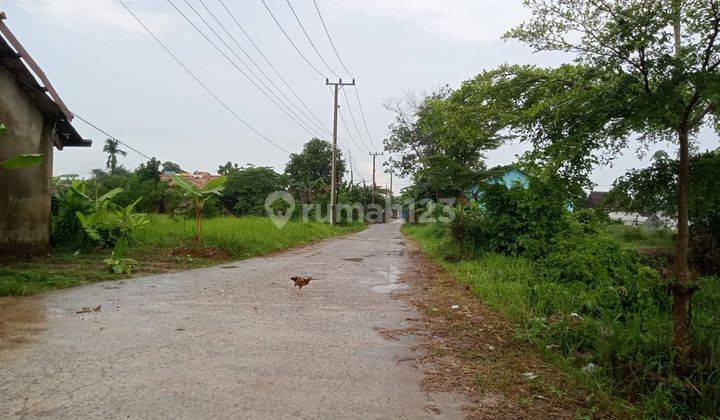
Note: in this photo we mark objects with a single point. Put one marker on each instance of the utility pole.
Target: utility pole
(391, 190)
(374, 155)
(333, 181)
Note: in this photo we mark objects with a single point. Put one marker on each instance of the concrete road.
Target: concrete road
(232, 341)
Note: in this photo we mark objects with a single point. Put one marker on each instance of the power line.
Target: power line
(232, 38)
(270, 64)
(362, 114)
(111, 136)
(350, 134)
(304, 127)
(80, 117)
(291, 41)
(352, 117)
(331, 41)
(312, 44)
(357, 93)
(200, 82)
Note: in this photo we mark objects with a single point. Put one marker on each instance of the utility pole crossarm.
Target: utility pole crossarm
(333, 181)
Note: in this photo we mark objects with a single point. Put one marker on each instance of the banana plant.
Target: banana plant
(199, 196)
(108, 223)
(20, 161)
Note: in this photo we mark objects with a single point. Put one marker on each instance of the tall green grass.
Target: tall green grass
(634, 353)
(639, 237)
(241, 237)
(152, 245)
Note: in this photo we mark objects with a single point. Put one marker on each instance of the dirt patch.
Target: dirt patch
(206, 253)
(21, 319)
(470, 348)
(353, 259)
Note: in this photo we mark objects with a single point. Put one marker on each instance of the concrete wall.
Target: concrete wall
(24, 193)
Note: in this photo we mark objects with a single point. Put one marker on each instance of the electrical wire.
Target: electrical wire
(312, 44)
(200, 82)
(331, 41)
(352, 118)
(80, 117)
(269, 79)
(270, 64)
(337, 54)
(291, 41)
(304, 127)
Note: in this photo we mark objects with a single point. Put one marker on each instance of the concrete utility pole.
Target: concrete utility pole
(391, 190)
(374, 155)
(333, 181)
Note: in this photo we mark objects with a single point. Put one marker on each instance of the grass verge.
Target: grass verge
(500, 284)
(164, 245)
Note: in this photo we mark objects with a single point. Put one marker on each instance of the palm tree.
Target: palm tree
(112, 148)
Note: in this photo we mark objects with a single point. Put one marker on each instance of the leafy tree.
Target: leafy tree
(646, 191)
(229, 168)
(112, 148)
(247, 188)
(172, 167)
(309, 172)
(199, 196)
(657, 66)
(149, 171)
(437, 144)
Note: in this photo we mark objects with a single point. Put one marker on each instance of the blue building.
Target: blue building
(509, 176)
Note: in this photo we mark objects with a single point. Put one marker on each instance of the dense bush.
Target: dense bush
(79, 220)
(705, 247)
(594, 299)
(247, 188)
(65, 228)
(514, 220)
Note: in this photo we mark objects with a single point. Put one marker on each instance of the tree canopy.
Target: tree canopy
(310, 170)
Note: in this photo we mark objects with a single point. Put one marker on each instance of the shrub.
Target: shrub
(65, 228)
(513, 220)
(79, 220)
(705, 248)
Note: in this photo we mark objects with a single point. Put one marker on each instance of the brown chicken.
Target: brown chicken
(301, 281)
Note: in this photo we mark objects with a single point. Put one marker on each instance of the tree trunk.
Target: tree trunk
(681, 289)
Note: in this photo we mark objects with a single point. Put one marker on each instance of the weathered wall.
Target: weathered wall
(24, 193)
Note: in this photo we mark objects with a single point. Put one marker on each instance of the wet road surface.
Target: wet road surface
(231, 341)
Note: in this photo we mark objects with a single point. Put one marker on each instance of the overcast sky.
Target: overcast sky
(111, 72)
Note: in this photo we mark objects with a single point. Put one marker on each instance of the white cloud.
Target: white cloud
(88, 15)
(456, 20)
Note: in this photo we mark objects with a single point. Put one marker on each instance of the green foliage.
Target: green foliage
(108, 223)
(171, 167)
(199, 197)
(513, 220)
(112, 148)
(66, 231)
(594, 301)
(22, 161)
(119, 265)
(240, 237)
(149, 171)
(152, 246)
(308, 172)
(247, 188)
(440, 142)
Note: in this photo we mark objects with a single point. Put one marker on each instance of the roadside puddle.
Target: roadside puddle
(21, 318)
(393, 285)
